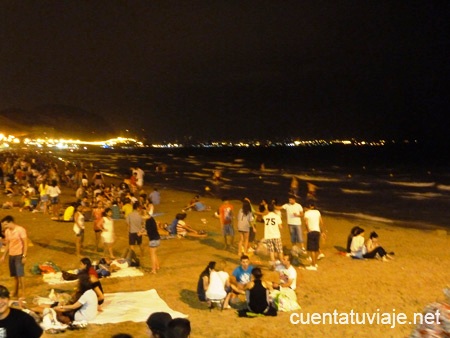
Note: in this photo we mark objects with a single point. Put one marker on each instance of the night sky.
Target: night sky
(234, 69)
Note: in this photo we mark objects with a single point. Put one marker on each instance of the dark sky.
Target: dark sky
(234, 69)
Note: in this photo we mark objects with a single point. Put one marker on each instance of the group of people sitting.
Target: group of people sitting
(16, 321)
(82, 307)
(358, 248)
(217, 286)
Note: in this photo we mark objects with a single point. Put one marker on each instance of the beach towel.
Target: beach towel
(132, 306)
(56, 278)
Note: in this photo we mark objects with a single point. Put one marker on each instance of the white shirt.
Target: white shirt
(312, 219)
(53, 191)
(216, 287)
(88, 310)
(357, 247)
(272, 223)
(292, 209)
(289, 273)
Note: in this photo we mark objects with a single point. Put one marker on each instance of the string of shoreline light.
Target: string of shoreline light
(7, 141)
(61, 143)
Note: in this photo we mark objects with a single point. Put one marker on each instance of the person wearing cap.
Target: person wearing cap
(15, 323)
(16, 247)
(157, 324)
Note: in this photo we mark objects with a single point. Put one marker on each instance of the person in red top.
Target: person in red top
(226, 221)
(16, 247)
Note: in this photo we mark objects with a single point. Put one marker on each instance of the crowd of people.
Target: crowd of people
(39, 184)
(247, 282)
(19, 322)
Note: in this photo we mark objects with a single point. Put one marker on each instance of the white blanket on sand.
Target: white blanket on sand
(132, 306)
(56, 277)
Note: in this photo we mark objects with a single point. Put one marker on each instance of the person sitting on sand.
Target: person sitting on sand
(257, 296)
(240, 277)
(219, 284)
(85, 303)
(86, 266)
(69, 212)
(360, 250)
(9, 188)
(374, 248)
(184, 230)
(127, 207)
(203, 281)
(357, 248)
(288, 274)
(197, 205)
(350, 238)
(26, 202)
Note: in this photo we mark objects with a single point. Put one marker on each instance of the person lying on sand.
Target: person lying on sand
(184, 230)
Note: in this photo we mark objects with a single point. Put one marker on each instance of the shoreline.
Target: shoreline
(345, 190)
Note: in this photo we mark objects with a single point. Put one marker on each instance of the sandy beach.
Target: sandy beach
(416, 277)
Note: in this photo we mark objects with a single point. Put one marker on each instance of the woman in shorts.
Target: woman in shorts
(53, 192)
(245, 222)
(154, 241)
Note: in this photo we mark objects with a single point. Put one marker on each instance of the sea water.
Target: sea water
(404, 185)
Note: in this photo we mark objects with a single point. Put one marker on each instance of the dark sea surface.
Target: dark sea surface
(404, 185)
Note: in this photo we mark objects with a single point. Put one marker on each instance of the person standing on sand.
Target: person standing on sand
(53, 191)
(293, 190)
(272, 234)
(108, 235)
(294, 214)
(97, 178)
(315, 227)
(154, 242)
(17, 247)
(226, 222)
(244, 224)
(43, 197)
(155, 197)
(98, 223)
(134, 221)
(78, 228)
(139, 178)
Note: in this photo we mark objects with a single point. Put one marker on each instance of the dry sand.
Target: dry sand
(415, 278)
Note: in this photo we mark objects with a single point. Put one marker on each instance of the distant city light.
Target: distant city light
(128, 143)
